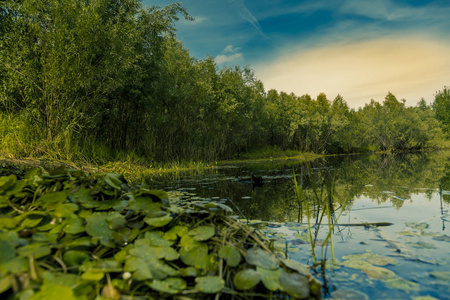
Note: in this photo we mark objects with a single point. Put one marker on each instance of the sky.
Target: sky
(360, 49)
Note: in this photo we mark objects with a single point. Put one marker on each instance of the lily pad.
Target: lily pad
(403, 284)
(202, 233)
(97, 226)
(246, 279)
(441, 275)
(378, 273)
(53, 291)
(158, 221)
(209, 284)
(258, 257)
(231, 254)
(295, 284)
(172, 285)
(356, 264)
(347, 294)
(382, 261)
(270, 278)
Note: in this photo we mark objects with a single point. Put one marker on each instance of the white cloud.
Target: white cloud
(220, 59)
(409, 67)
(231, 49)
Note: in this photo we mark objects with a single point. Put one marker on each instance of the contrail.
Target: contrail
(245, 13)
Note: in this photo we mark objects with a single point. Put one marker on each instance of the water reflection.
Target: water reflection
(411, 192)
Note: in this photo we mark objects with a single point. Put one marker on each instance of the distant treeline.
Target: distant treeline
(102, 78)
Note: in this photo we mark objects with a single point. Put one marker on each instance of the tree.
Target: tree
(441, 107)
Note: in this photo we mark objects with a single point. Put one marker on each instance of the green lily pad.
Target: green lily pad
(176, 231)
(231, 254)
(38, 250)
(6, 182)
(158, 221)
(202, 233)
(347, 294)
(209, 284)
(7, 251)
(53, 291)
(16, 265)
(295, 284)
(356, 264)
(97, 226)
(52, 198)
(156, 239)
(188, 243)
(75, 257)
(93, 275)
(382, 261)
(296, 266)
(270, 278)
(403, 284)
(258, 257)
(246, 279)
(5, 284)
(171, 285)
(378, 273)
(198, 257)
(441, 275)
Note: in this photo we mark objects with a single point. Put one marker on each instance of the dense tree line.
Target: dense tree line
(96, 74)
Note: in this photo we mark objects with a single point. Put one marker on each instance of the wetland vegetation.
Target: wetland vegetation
(106, 87)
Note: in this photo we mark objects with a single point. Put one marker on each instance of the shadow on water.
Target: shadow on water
(383, 218)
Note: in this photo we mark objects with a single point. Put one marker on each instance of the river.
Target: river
(388, 216)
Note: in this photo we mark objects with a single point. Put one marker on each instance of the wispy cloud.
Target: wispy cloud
(246, 14)
(229, 54)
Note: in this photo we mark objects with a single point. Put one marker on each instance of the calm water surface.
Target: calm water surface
(407, 260)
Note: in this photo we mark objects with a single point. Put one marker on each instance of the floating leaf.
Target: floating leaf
(53, 291)
(356, 264)
(231, 254)
(75, 257)
(347, 294)
(246, 279)
(93, 275)
(198, 257)
(156, 239)
(258, 257)
(97, 226)
(441, 275)
(296, 266)
(403, 284)
(7, 251)
(158, 221)
(295, 284)
(5, 284)
(418, 226)
(6, 182)
(270, 278)
(378, 273)
(202, 233)
(171, 285)
(209, 284)
(175, 231)
(38, 250)
(382, 261)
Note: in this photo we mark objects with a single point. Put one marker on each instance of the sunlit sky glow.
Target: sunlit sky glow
(361, 49)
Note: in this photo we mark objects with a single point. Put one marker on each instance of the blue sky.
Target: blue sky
(361, 49)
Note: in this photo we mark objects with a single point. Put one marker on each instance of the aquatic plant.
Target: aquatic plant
(93, 236)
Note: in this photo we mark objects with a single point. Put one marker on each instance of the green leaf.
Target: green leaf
(270, 278)
(378, 273)
(6, 182)
(202, 233)
(53, 291)
(156, 239)
(246, 279)
(7, 251)
(175, 231)
(198, 257)
(75, 257)
(258, 257)
(38, 250)
(295, 284)
(97, 226)
(231, 254)
(171, 285)
(158, 221)
(93, 275)
(209, 284)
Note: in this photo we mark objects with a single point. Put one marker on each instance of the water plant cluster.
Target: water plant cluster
(93, 236)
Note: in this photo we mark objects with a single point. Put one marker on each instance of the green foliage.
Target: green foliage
(108, 80)
(71, 234)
